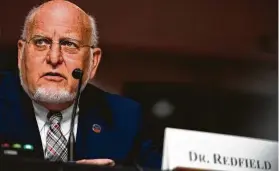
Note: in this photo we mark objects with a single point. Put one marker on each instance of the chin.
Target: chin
(53, 95)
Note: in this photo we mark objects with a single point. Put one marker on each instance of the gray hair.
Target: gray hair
(32, 12)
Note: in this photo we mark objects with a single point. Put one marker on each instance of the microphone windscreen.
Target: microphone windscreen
(77, 73)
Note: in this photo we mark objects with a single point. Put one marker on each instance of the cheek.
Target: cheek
(72, 64)
(32, 61)
(33, 66)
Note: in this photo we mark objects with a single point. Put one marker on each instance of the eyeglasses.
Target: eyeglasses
(67, 45)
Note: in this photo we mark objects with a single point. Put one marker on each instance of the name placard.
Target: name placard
(194, 149)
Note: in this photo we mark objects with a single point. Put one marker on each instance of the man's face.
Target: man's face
(53, 50)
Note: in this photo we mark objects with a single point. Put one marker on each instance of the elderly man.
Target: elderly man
(57, 38)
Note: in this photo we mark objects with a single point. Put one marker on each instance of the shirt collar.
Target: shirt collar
(41, 112)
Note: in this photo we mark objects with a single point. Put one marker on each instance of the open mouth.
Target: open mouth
(54, 76)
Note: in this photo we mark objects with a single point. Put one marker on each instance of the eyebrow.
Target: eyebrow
(39, 35)
(71, 39)
(62, 38)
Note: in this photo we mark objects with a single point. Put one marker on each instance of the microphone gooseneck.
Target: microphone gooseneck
(77, 74)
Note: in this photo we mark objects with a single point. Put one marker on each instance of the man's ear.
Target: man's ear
(97, 54)
(20, 50)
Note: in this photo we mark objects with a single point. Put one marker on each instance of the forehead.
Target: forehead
(60, 22)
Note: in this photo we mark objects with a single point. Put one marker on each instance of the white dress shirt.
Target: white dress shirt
(41, 117)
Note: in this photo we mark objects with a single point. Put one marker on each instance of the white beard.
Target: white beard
(53, 95)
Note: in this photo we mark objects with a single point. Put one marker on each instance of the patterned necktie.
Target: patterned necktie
(56, 143)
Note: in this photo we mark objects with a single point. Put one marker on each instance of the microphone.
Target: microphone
(77, 74)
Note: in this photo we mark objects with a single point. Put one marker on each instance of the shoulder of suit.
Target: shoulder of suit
(9, 83)
(121, 99)
(116, 99)
(6, 75)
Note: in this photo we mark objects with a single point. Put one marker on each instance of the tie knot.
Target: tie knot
(54, 117)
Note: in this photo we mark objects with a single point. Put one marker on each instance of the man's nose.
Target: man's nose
(54, 56)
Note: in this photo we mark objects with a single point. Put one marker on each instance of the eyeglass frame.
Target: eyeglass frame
(59, 42)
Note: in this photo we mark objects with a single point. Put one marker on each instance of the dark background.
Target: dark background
(214, 61)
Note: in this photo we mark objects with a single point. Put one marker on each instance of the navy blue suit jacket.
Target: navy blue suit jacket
(120, 139)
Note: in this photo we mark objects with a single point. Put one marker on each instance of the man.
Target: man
(57, 38)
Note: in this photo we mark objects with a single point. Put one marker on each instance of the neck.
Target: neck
(56, 107)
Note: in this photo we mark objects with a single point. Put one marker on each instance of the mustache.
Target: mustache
(54, 74)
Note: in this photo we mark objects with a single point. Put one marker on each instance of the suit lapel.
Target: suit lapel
(94, 115)
(91, 115)
(28, 127)
(86, 113)
(19, 122)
